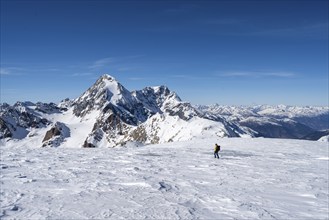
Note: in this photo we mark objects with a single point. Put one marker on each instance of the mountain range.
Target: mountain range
(108, 115)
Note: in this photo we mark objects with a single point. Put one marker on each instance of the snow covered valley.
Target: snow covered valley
(253, 179)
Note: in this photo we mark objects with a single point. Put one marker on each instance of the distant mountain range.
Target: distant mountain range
(108, 115)
(280, 121)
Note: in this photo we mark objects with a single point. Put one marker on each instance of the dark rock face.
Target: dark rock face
(161, 99)
(93, 138)
(56, 135)
(19, 118)
(184, 111)
(4, 130)
(122, 113)
(26, 117)
(48, 108)
(54, 131)
(88, 145)
(139, 134)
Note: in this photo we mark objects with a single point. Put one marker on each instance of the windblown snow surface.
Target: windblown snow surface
(253, 179)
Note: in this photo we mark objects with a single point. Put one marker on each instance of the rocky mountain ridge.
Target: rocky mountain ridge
(108, 115)
(276, 121)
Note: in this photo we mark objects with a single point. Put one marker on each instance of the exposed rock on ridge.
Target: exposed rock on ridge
(56, 135)
(108, 115)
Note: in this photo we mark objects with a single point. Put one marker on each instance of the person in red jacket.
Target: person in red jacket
(217, 149)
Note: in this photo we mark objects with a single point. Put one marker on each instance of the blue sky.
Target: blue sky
(226, 52)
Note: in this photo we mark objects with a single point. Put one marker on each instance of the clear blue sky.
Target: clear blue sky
(226, 52)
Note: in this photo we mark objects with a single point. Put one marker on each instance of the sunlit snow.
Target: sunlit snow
(252, 179)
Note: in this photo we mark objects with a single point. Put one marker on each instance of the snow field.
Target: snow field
(253, 179)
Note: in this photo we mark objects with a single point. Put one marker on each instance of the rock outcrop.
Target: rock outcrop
(56, 135)
(4, 130)
(19, 118)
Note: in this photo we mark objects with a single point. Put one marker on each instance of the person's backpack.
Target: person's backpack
(217, 148)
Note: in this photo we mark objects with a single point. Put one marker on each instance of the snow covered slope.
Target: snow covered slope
(324, 138)
(253, 179)
(108, 115)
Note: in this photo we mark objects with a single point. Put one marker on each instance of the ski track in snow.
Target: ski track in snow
(253, 179)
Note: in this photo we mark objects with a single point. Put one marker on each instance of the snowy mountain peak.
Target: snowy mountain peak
(157, 94)
(104, 91)
(107, 77)
(163, 91)
(107, 114)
